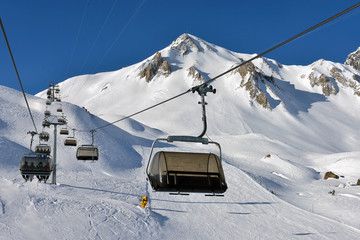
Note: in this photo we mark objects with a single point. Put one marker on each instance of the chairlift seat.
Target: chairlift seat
(70, 141)
(38, 164)
(64, 131)
(46, 123)
(48, 102)
(47, 113)
(186, 172)
(43, 148)
(61, 120)
(87, 152)
(44, 136)
(59, 110)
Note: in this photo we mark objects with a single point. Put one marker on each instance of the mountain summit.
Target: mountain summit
(189, 61)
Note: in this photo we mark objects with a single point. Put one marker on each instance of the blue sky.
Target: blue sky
(54, 40)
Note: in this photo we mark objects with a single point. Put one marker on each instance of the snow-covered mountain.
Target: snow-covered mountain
(281, 129)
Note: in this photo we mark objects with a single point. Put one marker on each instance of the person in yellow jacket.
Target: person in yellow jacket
(144, 201)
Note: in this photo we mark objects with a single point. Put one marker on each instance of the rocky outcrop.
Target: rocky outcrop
(346, 82)
(156, 66)
(185, 44)
(251, 79)
(353, 59)
(330, 175)
(196, 75)
(324, 82)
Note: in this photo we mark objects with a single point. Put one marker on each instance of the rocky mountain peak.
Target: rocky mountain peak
(353, 59)
(185, 44)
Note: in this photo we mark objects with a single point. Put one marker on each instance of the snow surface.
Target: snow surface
(274, 160)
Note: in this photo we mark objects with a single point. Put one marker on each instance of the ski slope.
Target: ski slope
(274, 160)
(99, 200)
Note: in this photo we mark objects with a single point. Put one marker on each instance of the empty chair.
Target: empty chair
(48, 102)
(35, 164)
(57, 90)
(87, 152)
(48, 92)
(44, 136)
(58, 99)
(47, 113)
(43, 148)
(70, 141)
(64, 131)
(186, 171)
(59, 109)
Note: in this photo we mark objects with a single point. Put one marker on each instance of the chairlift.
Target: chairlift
(62, 120)
(58, 99)
(64, 131)
(59, 109)
(44, 136)
(181, 172)
(57, 90)
(46, 123)
(47, 113)
(70, 141)
(88, 152)
(43, 148)
(35, 164)
(48, 92)
(48, 102)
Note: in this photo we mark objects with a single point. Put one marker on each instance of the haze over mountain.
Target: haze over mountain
(280, 127)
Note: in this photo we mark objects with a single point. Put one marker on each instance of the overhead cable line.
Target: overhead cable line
(99, 33)
(196, 88)
(283, 43)
(121, 32)
(76, 38)
(17, 74)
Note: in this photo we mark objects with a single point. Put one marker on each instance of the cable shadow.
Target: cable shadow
(100, 190)
(303, 234)
(228, 203)
(238, 213)
(169, 210)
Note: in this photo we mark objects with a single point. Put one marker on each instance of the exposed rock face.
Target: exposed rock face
(352, 83)
(156, 66)
(330, 175)
(251, 78)
(354, 59)
(196, 75)
(185, 44)
(327, 85)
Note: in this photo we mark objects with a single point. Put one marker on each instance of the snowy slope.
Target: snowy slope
(274, 158)
(98, 201)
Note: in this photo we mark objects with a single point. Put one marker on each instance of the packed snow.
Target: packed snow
(274, 159)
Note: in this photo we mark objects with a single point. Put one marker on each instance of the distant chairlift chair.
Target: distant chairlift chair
(88, 152)
(71, 141)
(44, 136)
